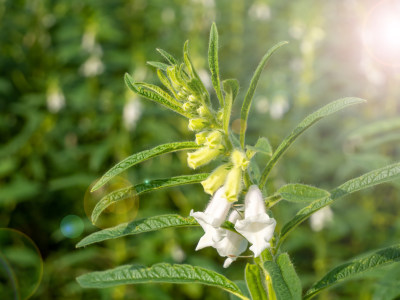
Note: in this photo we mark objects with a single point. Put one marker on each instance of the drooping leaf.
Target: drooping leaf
(140, 157)
(385, 174)
(138, 189)
(301, 193)
(355, 267)
(163, 272)
(213, 63)
(254, 281)
(168, 57)
(158, 65)
(325, 111)
(250, 92)
(159, 91)
(231, 87)
(279, 285)
(137, 227)
(151, 95)
(289, 275)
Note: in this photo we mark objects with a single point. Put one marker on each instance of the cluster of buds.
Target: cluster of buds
(255, 226)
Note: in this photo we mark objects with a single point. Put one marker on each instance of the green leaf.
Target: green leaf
(325, 111)
(355, 267)
(301, 193)
(138, 189)
(159, 91)
(279, 285)
(250, 92)
(140, 157)
(367, 180)
(158, 65)
(198, 84)
(243, 288)
(213, 62)
(255, 283)
(289, 275)
(163, 272)
(137, 227)
(262, 146)
(231, 87)
(168, 57)
(165, 81)
(149, 94)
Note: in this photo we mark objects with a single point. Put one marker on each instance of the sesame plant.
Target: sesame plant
(240, 213)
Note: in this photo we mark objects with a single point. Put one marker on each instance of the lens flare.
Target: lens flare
(123, 210)
(71, 226)
(381, 33)
(21, 265)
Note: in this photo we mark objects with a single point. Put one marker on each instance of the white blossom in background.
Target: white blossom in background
(131, 113)
(178, 254)
(278, 107)
(88, 42)
(212, 218)
(93, 66)
(321, 218)
(232, 244)
(260, 11)
(55, 98)
(205, 78)
(257, 227)
(262, 105)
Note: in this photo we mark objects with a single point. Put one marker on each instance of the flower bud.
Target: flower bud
(201, 137)
(192, 99)
(216, 179)
(239, 159)
(214, 139)
(203, 111)
(233, 184)
(198, 124)
(202, 156)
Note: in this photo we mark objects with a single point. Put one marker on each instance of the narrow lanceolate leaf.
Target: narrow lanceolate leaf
(163, 272)
(158, 65)
(385, 174)
(168, 57)
(325, 111)
(289, 275)
(355, 267)
(138, 189)
(159, 91)
(302, 193)
(213, 63)
(137, 227)
(254, 281)
(231, 87)
(140, 157)
(279, 285)
(151, 95)
(250, 92)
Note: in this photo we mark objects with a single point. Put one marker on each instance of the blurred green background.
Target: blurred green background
(66, 117)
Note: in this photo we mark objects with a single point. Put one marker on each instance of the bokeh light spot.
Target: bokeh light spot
(381, 33)
(21, 265)
(71, 226)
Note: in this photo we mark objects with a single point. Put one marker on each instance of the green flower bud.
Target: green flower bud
(233, 184)
(239, 159)
(187, 106)
(201, 137)
(216, 179)
(198, 124)
(203, 111)
(214, 139)
(202, 156)
(192, 99)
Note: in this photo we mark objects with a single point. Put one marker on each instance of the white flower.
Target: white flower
(211, 219)
(232, 244)
(257, 227)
